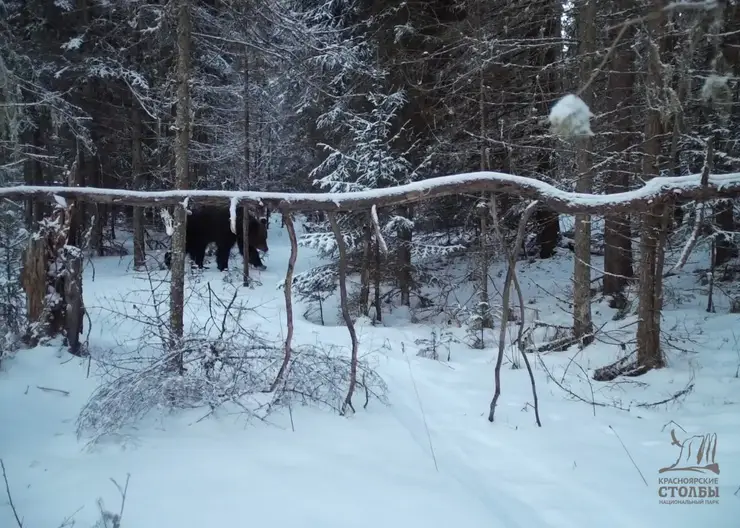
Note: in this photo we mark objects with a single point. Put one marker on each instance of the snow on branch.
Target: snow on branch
(657, 189)
(378, 233)
(168, 221)
(571, 117)
(232, 213)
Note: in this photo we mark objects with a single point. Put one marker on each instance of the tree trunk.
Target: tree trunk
(75, 179)
(484, 261)
(34, 278)
(247, 156)
(724, 219)
(365, 272)
(404, 261)
(548, 85)
(582, 324)
(34, 171)
(74, 306)
(617, 228)
(182, 127)
(245, 245)
(377, 282)
(136, 170)
(649, 353)
(548, 222)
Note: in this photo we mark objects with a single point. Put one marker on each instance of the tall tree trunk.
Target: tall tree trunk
(484, 261)
(617, 229)
(247, 125)
(649, 353)
(247, 173)
(582, 324)
(404, 260)
(548, 85)
(136, 170)
(33, 170)
(182, 127)
(724, 219)
(365, 270)
(76, 179)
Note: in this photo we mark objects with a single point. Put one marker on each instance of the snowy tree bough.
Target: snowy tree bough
(660, 189)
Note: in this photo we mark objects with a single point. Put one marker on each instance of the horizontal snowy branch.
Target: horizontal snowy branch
(657, 189)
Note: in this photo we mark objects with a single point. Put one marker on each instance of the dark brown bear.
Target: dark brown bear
(212, 224)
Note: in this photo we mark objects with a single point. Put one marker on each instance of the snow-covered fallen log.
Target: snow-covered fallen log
(655, 190)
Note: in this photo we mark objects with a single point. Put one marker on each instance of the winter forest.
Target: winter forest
(350, 263)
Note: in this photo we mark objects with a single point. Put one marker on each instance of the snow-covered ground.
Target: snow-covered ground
(429, 459)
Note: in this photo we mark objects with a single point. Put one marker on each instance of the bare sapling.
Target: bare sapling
(505, 315)
(520, 295)
(288, 290)
(345, 310)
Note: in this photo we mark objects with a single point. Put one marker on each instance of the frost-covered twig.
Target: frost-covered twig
(378, 234)
(169, 227)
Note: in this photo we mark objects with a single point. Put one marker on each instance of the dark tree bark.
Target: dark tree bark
(182, 127)
(582, 323)
(617, 229)
(652, 231)
(404, 260)
(136, 170)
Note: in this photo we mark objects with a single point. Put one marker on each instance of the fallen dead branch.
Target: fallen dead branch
(678, 395)
(49, 389)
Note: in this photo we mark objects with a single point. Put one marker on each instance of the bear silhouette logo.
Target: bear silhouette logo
(697, 453)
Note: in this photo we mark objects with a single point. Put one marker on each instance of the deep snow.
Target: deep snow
(376, 468)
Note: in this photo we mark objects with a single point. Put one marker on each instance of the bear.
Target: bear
(212, 224)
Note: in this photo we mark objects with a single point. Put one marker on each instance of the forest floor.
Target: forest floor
(429, 458)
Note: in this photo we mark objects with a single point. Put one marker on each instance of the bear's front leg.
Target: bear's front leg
(254, 259)
(222, 257)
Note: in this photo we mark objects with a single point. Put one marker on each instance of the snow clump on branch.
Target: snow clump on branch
(716, 92)
(571, 117)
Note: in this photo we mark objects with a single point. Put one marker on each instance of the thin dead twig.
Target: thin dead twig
(49, 389)
(18, 520)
